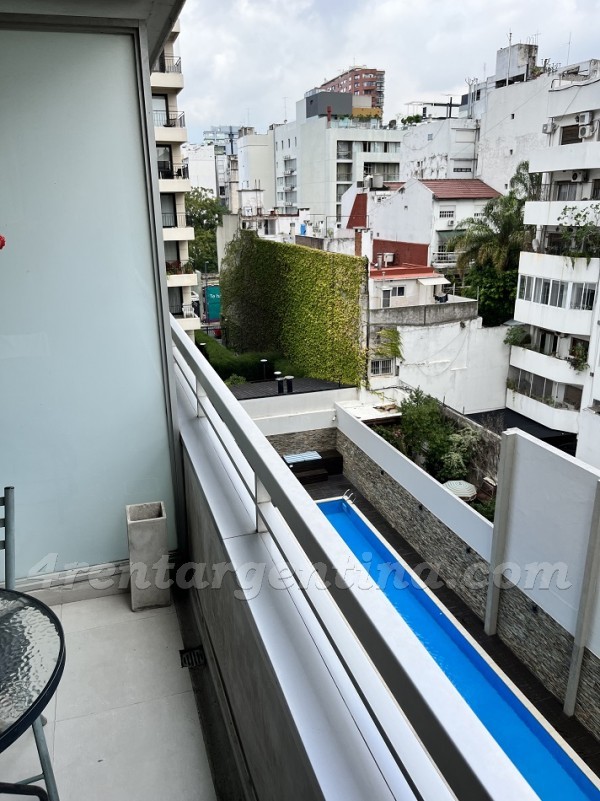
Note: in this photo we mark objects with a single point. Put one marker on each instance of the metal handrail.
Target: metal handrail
(167, 64)
(168, 119)
(169, 170)
(175, 219)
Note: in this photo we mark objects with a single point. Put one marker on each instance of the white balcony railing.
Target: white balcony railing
(412, 726)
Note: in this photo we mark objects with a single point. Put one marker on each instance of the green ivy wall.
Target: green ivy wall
(302, 302)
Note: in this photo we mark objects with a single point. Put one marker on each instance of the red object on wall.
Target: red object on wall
(2, 241)
(358, 215)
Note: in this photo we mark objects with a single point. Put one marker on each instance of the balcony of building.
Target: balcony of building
(176, 226)
(166, 73)
(173, 177)
(123, 723)
(583, 155)
(551, 403)
(550, 366)
(169, 126)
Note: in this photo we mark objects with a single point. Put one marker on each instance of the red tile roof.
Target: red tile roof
(457, 189)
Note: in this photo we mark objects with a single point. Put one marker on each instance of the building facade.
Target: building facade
(361, 82)
(170, 133)
(553, 375)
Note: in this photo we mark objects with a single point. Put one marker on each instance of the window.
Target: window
(525, 287)
(344, 150)
(446, 213)
(398, 291)
(167, 205)
(596, 189)
(164, 161)
(159, 110)
(344, 172)
(385, 298)
(583, 296)
(569, 135)
(462, 169)
(566, 190)
(392, 147)
(381, 366)
(558, 294)
(430, 137)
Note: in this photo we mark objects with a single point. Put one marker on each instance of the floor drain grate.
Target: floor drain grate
(192, 657)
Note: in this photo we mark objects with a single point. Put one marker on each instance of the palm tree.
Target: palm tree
(496, 238)
(524, 184)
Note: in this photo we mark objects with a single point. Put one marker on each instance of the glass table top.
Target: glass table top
(31, 661)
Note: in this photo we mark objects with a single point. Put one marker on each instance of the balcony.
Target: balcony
(551, 367)
(559, 419)
(185, 315)
(551, 212)
(176, 227)
(581, 156)
(173, 177)
(444, 257)
(167, 64)
(166, 74)
(169, 126)
(123, 724)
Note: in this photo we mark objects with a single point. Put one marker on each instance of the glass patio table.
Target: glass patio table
(32, 659)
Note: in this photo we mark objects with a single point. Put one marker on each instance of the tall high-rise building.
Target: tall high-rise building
(365, 81)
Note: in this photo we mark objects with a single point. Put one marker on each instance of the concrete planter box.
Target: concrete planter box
(148, 552)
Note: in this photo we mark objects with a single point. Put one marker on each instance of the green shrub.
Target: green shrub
(247, 365)
(485, 508)
(235, 379)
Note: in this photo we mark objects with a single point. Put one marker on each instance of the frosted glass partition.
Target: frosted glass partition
(83, 421)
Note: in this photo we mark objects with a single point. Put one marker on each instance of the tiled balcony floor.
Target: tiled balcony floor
(123, 724)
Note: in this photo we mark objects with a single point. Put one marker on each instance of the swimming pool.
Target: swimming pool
(536, 754)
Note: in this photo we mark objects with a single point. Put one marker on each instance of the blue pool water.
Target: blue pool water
(538, 757)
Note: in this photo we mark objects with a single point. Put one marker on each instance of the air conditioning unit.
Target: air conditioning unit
(585, 131)
(584, 118)
(450, 223)
(548, 127)
(388, 258)
(578, 177)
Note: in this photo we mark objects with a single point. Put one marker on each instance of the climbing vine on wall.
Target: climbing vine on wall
(302, 302)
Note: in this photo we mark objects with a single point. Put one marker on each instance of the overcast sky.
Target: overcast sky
(245, 60)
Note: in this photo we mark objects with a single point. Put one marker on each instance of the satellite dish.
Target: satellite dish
(535, 245)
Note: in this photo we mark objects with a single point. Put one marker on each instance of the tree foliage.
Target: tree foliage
(204, 213)
(299, 301)
(430, 439)
(489, 247)
(496, 238)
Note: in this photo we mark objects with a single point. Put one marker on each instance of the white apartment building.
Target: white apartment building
(200, 161)
(554, 379)
(170, 133)
(413, 224)
(311, 161)
(445, 350)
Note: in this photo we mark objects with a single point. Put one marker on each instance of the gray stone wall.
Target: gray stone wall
(434, 541)
(320, 439)
(532, 635)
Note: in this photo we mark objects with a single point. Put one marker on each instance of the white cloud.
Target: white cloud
(241, 58)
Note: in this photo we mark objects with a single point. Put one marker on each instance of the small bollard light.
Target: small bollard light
(264, 368)
(289, 383)
(280, 381)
